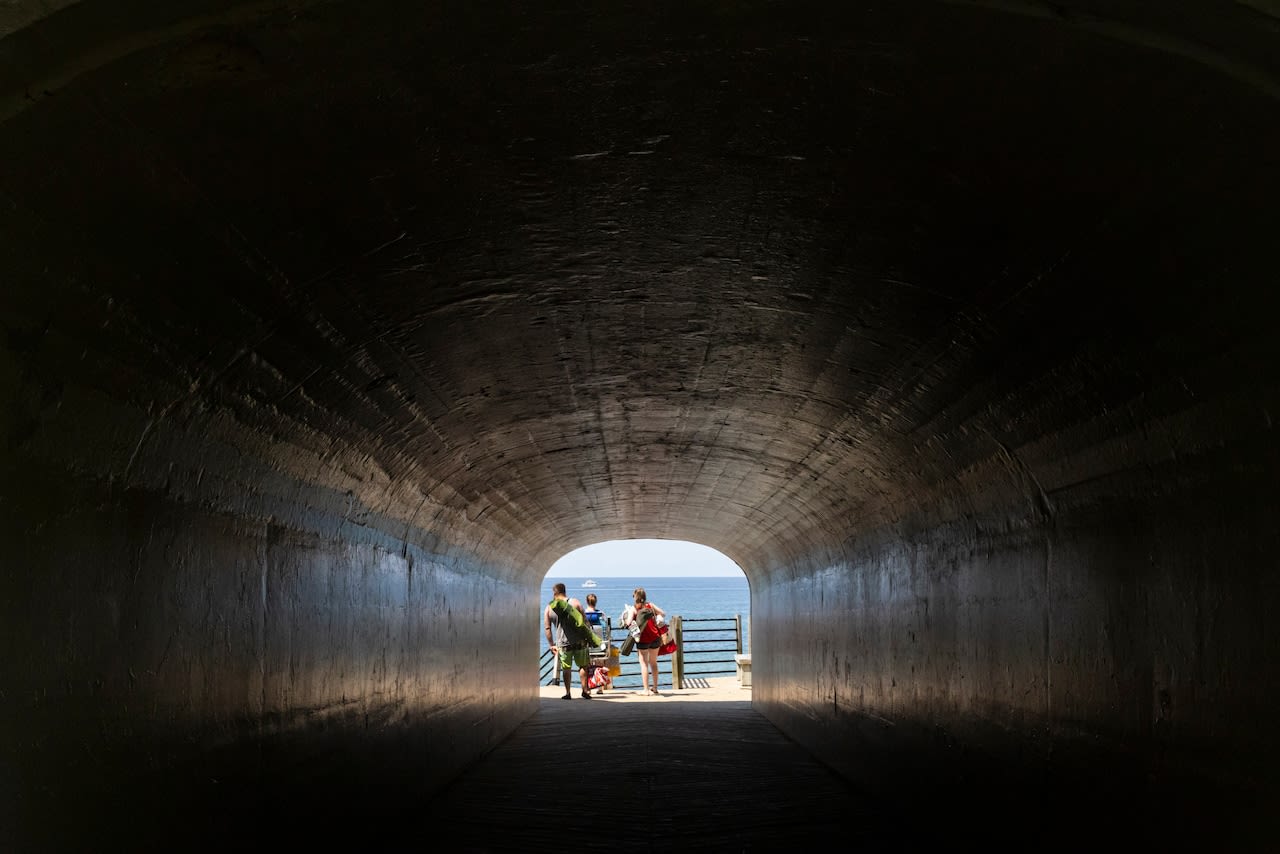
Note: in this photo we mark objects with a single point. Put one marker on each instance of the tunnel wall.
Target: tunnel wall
(1071, 583)
(213, 603)
(244, 675)
(1095, 625)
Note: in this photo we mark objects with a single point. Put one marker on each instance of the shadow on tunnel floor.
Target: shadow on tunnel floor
(709, 776)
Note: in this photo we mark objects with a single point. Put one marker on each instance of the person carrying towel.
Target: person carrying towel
(572, 639)
(650, 639)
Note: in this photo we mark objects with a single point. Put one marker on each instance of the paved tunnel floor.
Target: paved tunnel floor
(697, 767)
(704, 772)
(693, 770)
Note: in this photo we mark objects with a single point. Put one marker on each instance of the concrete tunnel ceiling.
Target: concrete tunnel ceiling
(767, 277)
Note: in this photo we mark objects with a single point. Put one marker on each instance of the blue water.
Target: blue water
(690, 598)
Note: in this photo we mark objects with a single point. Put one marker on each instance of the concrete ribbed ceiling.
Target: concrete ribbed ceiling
(758, 275)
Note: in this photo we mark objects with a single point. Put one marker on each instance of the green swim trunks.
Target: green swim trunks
(578, 657)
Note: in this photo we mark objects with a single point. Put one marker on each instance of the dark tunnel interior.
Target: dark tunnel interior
(329, 326)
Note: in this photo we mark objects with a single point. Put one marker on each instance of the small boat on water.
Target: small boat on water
(589, 583)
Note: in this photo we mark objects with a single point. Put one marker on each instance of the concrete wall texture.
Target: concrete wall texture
(328, 327)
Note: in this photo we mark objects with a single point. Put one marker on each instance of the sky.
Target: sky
(644, 558)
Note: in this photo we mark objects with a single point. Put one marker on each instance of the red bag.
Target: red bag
(598, 676)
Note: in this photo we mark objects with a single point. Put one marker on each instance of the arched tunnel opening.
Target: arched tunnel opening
(327, 326)
(703, 597)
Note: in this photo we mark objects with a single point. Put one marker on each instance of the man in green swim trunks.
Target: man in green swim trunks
(571, 641)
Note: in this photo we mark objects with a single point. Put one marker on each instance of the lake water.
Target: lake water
(690, 598)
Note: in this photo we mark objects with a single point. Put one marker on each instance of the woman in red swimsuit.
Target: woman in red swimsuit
(650, 640)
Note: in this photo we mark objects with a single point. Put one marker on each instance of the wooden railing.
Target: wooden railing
(705, 646)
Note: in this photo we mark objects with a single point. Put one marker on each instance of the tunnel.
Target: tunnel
(328, 327)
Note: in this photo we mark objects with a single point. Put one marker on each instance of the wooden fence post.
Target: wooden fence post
(677, 660)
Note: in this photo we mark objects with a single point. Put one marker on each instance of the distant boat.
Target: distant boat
(589, 583)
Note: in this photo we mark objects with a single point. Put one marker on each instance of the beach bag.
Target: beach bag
(667, 639)
(664, 630)
(628, 644)
(615, 663)
(598, 676)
